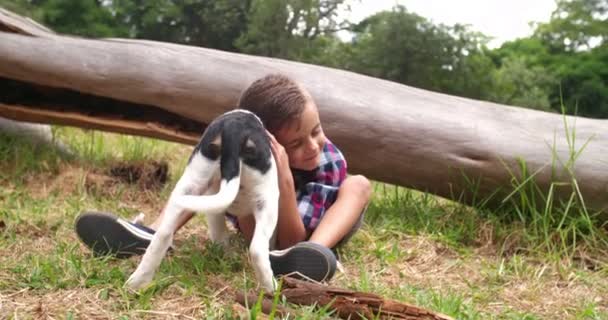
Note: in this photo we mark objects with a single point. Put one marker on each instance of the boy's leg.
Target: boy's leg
(345, 213)
(185, 217)
(313, 259)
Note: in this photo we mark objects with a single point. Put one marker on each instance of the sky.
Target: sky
(502, 19)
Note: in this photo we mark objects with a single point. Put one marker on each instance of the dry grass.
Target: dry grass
(491, 282)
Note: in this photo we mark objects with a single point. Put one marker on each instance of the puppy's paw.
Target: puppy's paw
(270, 285)
(221, 238)
(139, 280)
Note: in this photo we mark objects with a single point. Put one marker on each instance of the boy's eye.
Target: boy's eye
(295, 145)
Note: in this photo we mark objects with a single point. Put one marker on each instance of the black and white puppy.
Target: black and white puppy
(232, 169)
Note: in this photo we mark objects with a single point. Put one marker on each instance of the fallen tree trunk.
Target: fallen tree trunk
(345, 304)
(38, 133)
(453, 147)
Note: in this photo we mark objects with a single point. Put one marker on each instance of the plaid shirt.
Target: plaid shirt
(317, 190)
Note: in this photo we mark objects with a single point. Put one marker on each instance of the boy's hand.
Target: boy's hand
(290, 228)
(281, 159)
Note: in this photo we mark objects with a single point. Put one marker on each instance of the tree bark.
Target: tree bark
(38, 133)
(450, 146)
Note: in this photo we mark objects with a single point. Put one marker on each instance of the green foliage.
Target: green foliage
(292, 29)
(213, 24)
(572, 54)
(517, 84)
(584, 82)
(92, 20)
(266, 34)
(89, 18)
(404, 47)
(24, 7)
(575, 25)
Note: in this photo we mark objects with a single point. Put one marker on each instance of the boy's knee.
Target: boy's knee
(361, 185)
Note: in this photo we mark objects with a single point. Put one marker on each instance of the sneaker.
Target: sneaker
(106, 234)
(305, 260)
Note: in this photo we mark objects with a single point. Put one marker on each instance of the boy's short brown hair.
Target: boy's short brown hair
(276, 99)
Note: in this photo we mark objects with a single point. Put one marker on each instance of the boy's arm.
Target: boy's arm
(290, 228)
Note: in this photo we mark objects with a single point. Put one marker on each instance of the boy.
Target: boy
(319, 207)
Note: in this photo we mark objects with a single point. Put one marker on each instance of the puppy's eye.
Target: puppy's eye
(248, 151)
(213, 151)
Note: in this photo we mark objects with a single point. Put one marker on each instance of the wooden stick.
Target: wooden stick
(346, 304)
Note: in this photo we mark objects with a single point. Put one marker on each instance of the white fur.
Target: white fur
(192, 193)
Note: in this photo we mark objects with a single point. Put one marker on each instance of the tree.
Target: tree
(572, 49)
(584, 82)
(576, 25)
(23, 7)
(404, 47)
(576, 37)
(292, 29)
(517, 84)
(88, 18)
(212, 24)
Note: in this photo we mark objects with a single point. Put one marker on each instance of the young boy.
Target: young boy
(319, 206)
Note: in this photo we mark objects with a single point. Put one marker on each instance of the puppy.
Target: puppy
(231, 169)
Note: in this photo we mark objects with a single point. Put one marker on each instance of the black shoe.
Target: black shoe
(106, 234)
(306, 260)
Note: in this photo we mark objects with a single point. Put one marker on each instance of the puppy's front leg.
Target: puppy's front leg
(266, 215)
(157, 249)
(164, 235)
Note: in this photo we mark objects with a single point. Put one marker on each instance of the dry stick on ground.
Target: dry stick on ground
(346, 304)
(389, 132)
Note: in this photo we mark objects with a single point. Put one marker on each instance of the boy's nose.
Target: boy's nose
(313, 147)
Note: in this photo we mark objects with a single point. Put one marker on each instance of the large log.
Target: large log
(38, 133)
(389, 132)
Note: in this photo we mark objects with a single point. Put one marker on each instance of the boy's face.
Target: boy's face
(304, 139)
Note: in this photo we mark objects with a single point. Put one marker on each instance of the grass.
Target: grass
(528, 260)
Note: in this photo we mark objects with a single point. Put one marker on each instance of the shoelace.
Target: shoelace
(139, 219)
(340, 267)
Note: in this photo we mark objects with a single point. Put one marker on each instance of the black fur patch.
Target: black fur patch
(235, 129)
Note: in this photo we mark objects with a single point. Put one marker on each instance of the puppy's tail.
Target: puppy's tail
(212, 204)
(230, 168)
